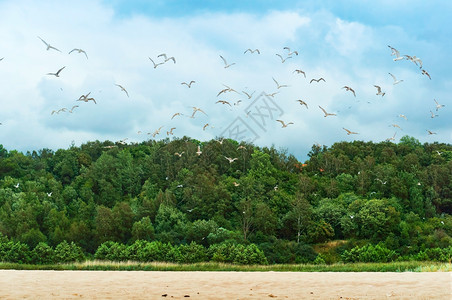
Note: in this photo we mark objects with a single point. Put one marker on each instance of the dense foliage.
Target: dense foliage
(117, 201)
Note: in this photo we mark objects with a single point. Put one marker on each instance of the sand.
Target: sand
(222, 285)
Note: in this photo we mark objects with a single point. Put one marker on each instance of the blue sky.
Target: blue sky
(345, 42)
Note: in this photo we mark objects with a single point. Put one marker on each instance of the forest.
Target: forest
(184, 200)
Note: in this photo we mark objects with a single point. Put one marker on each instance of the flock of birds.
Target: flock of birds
(287, 54)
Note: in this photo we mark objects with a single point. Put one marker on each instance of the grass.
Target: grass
(406, 266)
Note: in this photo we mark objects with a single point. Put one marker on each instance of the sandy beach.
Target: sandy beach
(222, 285)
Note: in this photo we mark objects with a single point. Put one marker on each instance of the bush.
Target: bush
(65, 252)
(435, 254)
(369, 253)
(15, 252)
(192, 253)
(43, 254)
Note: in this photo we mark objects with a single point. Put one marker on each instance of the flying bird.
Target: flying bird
(433, 115)
(72, 109)
(284, 125)
(189, 84)
(279, 85)
(391, 138)
(426, 73)
(157, 131)
(396, 53)
(431, 132)
(403, 116)
(205, 126)
(349, 132)
(326, 114)
(57, 74)
(199, 152)
(231, 160)
(293, 52)
(283, 59)
(226, 65)
(155, 64)
(171, 131)
(438, 106)
(395, 79)
(252, 51)
(298, 71)
(248, 95)
(195, 109)
(318, 80)
(170, 58)
(122, 89)
(179, 154)
(241, 147)
(272, 94)
(223, 102)
(395, 125)
(347, 88)
(303, 103)
(176, 114)
(79, 51)
(48, 45)
(379, 92)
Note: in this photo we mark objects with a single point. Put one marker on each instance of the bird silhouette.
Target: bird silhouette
(326, 114)
(57, 74)
(226, 65)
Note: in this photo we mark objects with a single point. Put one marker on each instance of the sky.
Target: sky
(343, 42)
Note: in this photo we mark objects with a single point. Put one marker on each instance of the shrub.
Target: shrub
(65, 252)
(369, 253)
(192, 253)
(43, 254)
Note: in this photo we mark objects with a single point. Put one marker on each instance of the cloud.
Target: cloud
(344, 52)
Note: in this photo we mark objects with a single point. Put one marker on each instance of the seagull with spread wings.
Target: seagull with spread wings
(226, 65)
(248, 95)
(283, 59)
(395, 79)
(379, 92)
(318, 80)
(349, 132)
(252, 51)
(438, 106)
(57, 74)
(79, 51)
(284, 125)
(122, 89)
(279, 85)
(347, 88)
(326, 113)
(231, 160)
(189, 84)
(298, 71)
(424, 72)
(303, 103)
(195, 109)
(155, 64)
(48, 45)
(223, 102)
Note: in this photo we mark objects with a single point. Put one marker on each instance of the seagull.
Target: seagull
(220, 141)
(326, 114)
(123, 141)
(379, 92)
(17, 185)
(284, 125)
(223, 102)
(88, 99)
(403, 116)
(79, 51)
(199, 152)
(1, 58)
(395, 125)
(318, 80)
(438, 106)
(252, 51)
(238, 102)
(48, 45)
(303, 103)
(416, 60)
(391, 138)
(157, 131)
(396, 53)
(83, 97)
(163, 55)
(226, 65)
(205, 126)
(195, 109)
(298, 71)
(57, 74)
(171, 131)
(241, 147)
(231, 160)
(235, 183)
(155, 64)
(433, 115)
(347, 88)
(293, 52)
(283, 59)
(179, 154)
(279, 85)
(176, 114)
(49, 194)
(431, 132)
(439, 153)
(395, 79)
(170, 58)
(248, 95)
(75, 106)
(272, 94)
(189, 84)
(122, 89)
(382, 182)
(426, 73)
(349, 132)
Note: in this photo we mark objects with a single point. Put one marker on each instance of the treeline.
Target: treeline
(397, 196)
